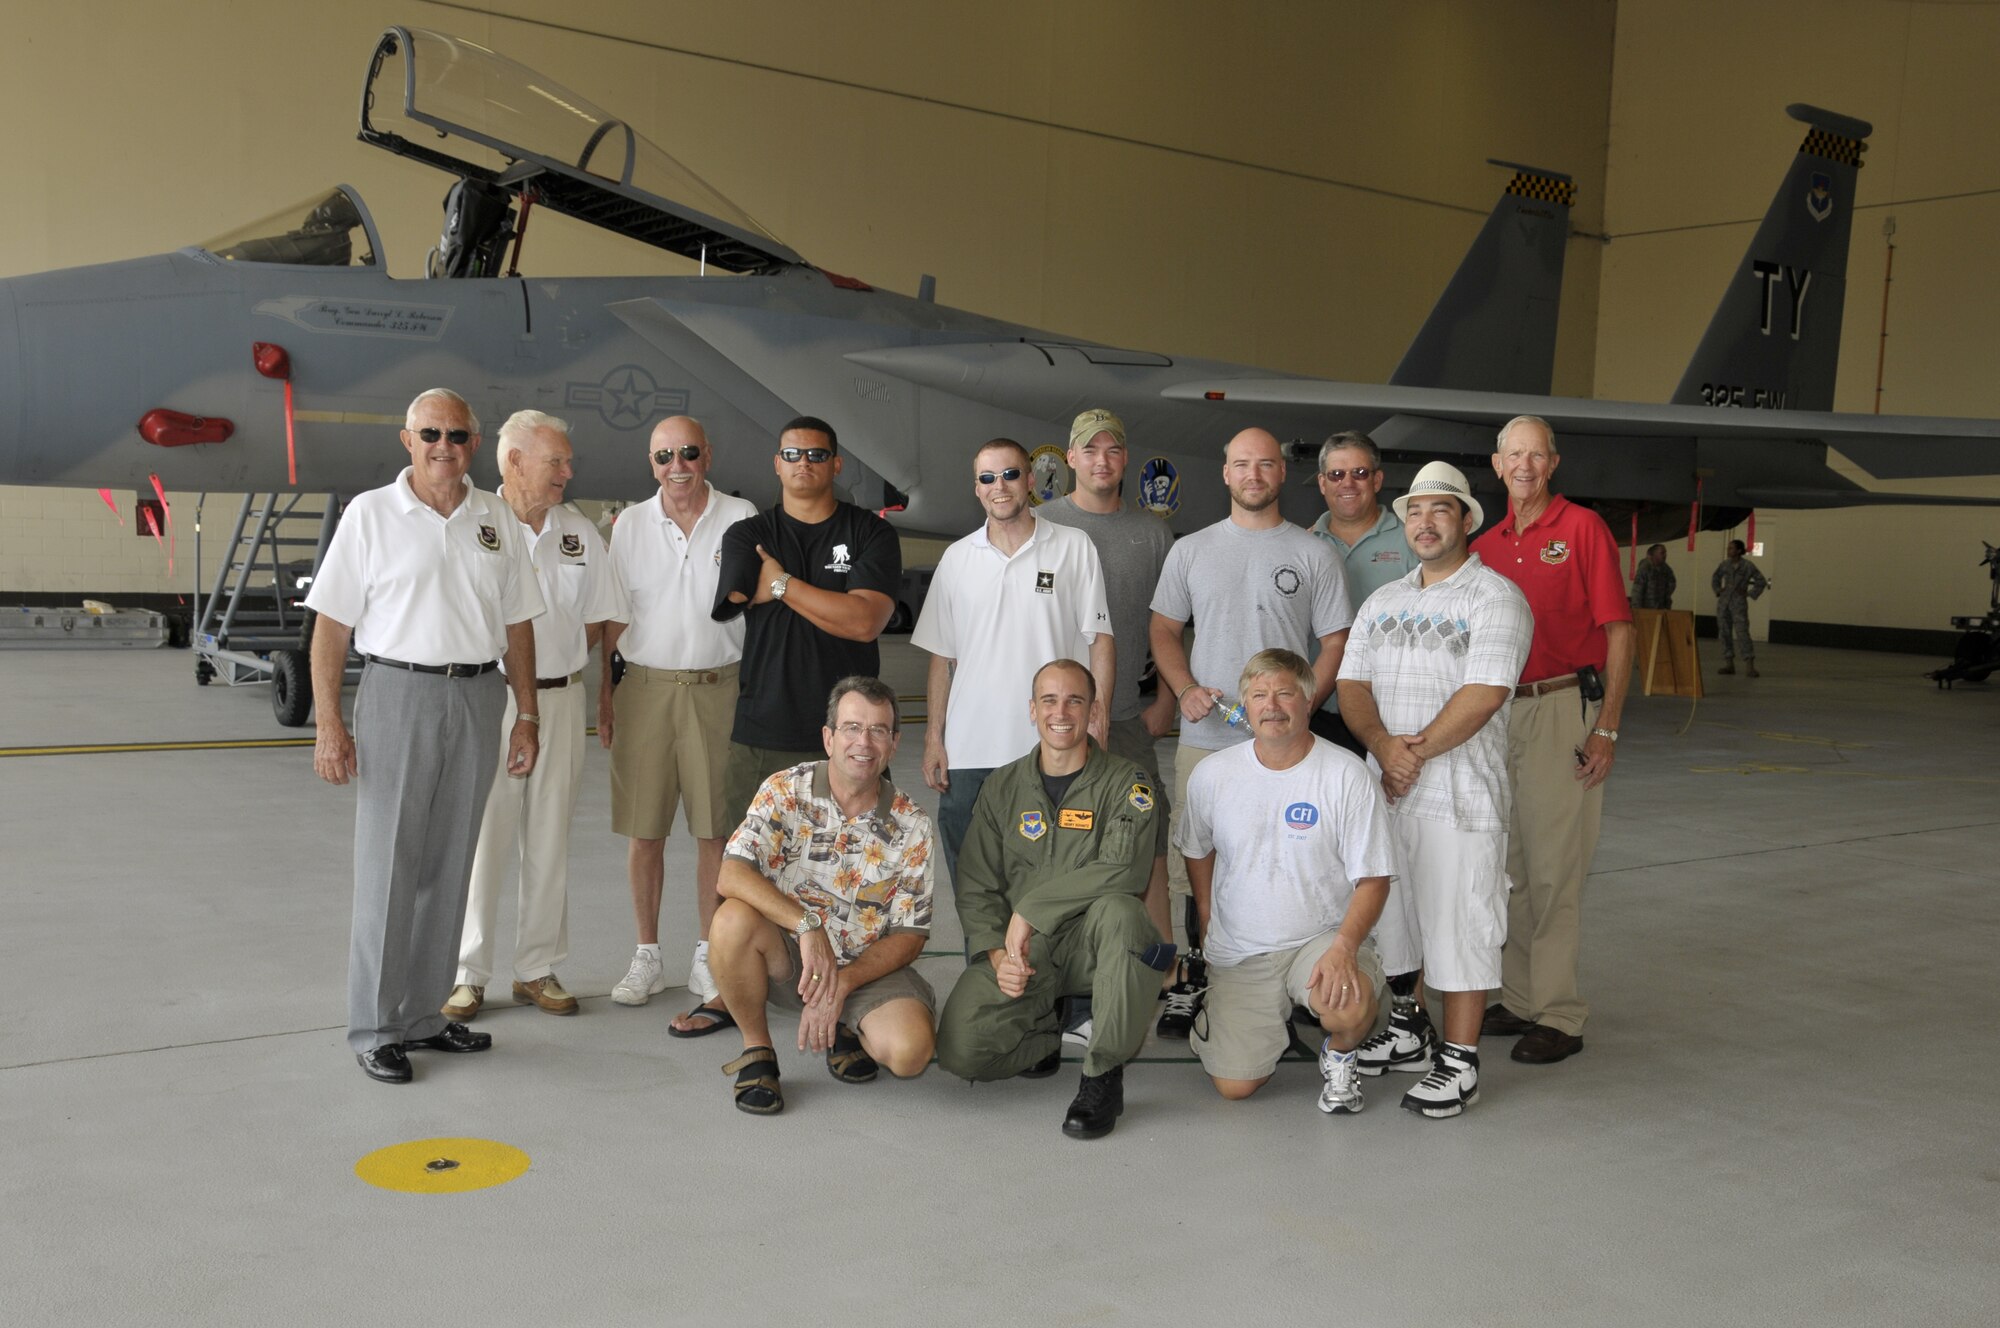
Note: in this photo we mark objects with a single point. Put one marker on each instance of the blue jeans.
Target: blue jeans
(955, 814)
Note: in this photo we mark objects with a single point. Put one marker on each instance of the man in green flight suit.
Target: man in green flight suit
(1051, 889)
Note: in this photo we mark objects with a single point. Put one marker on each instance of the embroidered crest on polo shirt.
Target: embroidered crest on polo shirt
(1555, 552)
(489, 539)
(1141, 797)
(1033, 826)
(1045, 583)
(1288, 579)
(1074, 818)
(572, 546)
(840, 561)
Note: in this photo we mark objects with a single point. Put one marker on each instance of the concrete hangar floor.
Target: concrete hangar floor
(1782, 1116)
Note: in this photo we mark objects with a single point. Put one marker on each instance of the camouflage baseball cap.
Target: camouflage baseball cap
(1094, 422)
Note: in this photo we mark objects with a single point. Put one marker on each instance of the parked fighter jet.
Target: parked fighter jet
(195, 365)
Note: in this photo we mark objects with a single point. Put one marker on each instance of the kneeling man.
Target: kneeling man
(1051, 892)
(1290, 858)
(826, 901)
(1426, 683)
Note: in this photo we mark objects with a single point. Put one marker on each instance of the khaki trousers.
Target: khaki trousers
(1551, 840)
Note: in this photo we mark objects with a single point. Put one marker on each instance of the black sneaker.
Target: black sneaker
(1184, 997)
(1100, 1101)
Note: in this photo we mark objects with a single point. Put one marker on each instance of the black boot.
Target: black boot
(1100, 1101)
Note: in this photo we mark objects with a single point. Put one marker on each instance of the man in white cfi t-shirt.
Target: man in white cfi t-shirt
(1290, 858)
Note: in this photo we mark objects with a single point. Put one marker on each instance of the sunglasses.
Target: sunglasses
(686, 452)
(819, 456)
(456, 437)
(1358, 472)
(986, 477)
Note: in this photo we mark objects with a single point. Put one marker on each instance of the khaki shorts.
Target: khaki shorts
(1458, 882)
(903, 983)
(1130, 740)
(748, 768)
(669, 747)
(1242, 1028)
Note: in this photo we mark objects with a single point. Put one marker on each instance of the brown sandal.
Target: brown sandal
(756, 1072)
(846, 1061)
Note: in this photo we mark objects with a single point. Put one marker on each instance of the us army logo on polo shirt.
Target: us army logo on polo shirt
(1141, 797)
(489, 539)
(1555, 552)
(1045, 583)
(1073, 818)
(572, 546)
(1033, 826)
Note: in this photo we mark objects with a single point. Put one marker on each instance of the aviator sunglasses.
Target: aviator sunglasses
(819, 456)
(686, 452)
(986, 477)
(456, 437)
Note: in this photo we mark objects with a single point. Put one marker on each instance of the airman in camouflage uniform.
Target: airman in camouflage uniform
(1736, 582)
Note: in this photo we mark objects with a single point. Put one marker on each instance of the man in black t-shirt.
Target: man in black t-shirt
(816, 580)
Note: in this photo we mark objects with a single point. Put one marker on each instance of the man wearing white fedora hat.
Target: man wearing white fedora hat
(1426, 682)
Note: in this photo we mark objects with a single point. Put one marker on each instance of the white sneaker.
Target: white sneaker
(1407, 1043)
(646, 976)
(1342, 1094)
(700, 981)
(1080, 1035)
(1450, 1087)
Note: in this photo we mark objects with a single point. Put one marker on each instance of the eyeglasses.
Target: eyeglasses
(456, 437)
(875, 732)
(819, 456)
(986, 477)
(686, 452)
(1358, 472)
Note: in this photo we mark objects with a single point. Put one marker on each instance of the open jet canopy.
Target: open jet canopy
(542, 141)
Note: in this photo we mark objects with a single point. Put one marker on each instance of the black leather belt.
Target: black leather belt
(549, 684)
(448, 670)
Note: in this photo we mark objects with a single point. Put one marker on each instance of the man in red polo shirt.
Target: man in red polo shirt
(1561, 739)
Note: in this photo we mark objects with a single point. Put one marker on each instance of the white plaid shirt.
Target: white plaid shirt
(1415, 646)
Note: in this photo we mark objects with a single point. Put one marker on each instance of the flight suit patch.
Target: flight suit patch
(1141, 797)
(1033, 826)
(1074, 818)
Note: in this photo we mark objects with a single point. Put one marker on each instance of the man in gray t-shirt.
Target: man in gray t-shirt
(1132, 546)
(1250, 582)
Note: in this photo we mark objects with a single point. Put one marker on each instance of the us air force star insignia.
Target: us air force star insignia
(1555, 552)
(1141, 797)
(572, 546)
(489, 539)
(1033, 826)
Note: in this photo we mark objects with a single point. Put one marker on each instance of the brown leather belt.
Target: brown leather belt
(1545, 686)
(548, 684)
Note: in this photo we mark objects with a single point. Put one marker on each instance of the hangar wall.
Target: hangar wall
(1289, 188)
(1287, 184)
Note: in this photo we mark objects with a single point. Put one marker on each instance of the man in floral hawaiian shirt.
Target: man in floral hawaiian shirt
(826, 902)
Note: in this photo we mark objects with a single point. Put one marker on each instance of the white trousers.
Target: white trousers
(526, 827)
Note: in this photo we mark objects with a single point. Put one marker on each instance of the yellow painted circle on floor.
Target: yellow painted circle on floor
(442, 1166)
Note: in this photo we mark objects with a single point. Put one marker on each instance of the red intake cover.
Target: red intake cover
(171, 428)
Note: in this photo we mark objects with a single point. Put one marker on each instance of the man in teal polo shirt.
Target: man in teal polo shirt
(1367, 536)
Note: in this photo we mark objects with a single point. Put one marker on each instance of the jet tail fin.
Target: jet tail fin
(1494, 328)
(1775, 339)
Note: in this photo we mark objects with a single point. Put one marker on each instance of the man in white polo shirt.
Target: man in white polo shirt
(1426, 684)
(526, 827)
(1005, 600)
(425, 577)
(667, 722)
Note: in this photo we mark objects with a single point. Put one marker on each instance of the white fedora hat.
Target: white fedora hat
(1441, 477)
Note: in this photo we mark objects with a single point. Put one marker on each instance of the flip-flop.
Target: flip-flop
(718, 1019)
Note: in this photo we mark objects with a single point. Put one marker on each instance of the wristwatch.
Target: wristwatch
(1605, 733)
(536, 720)
(780, 585)
(810, 921)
